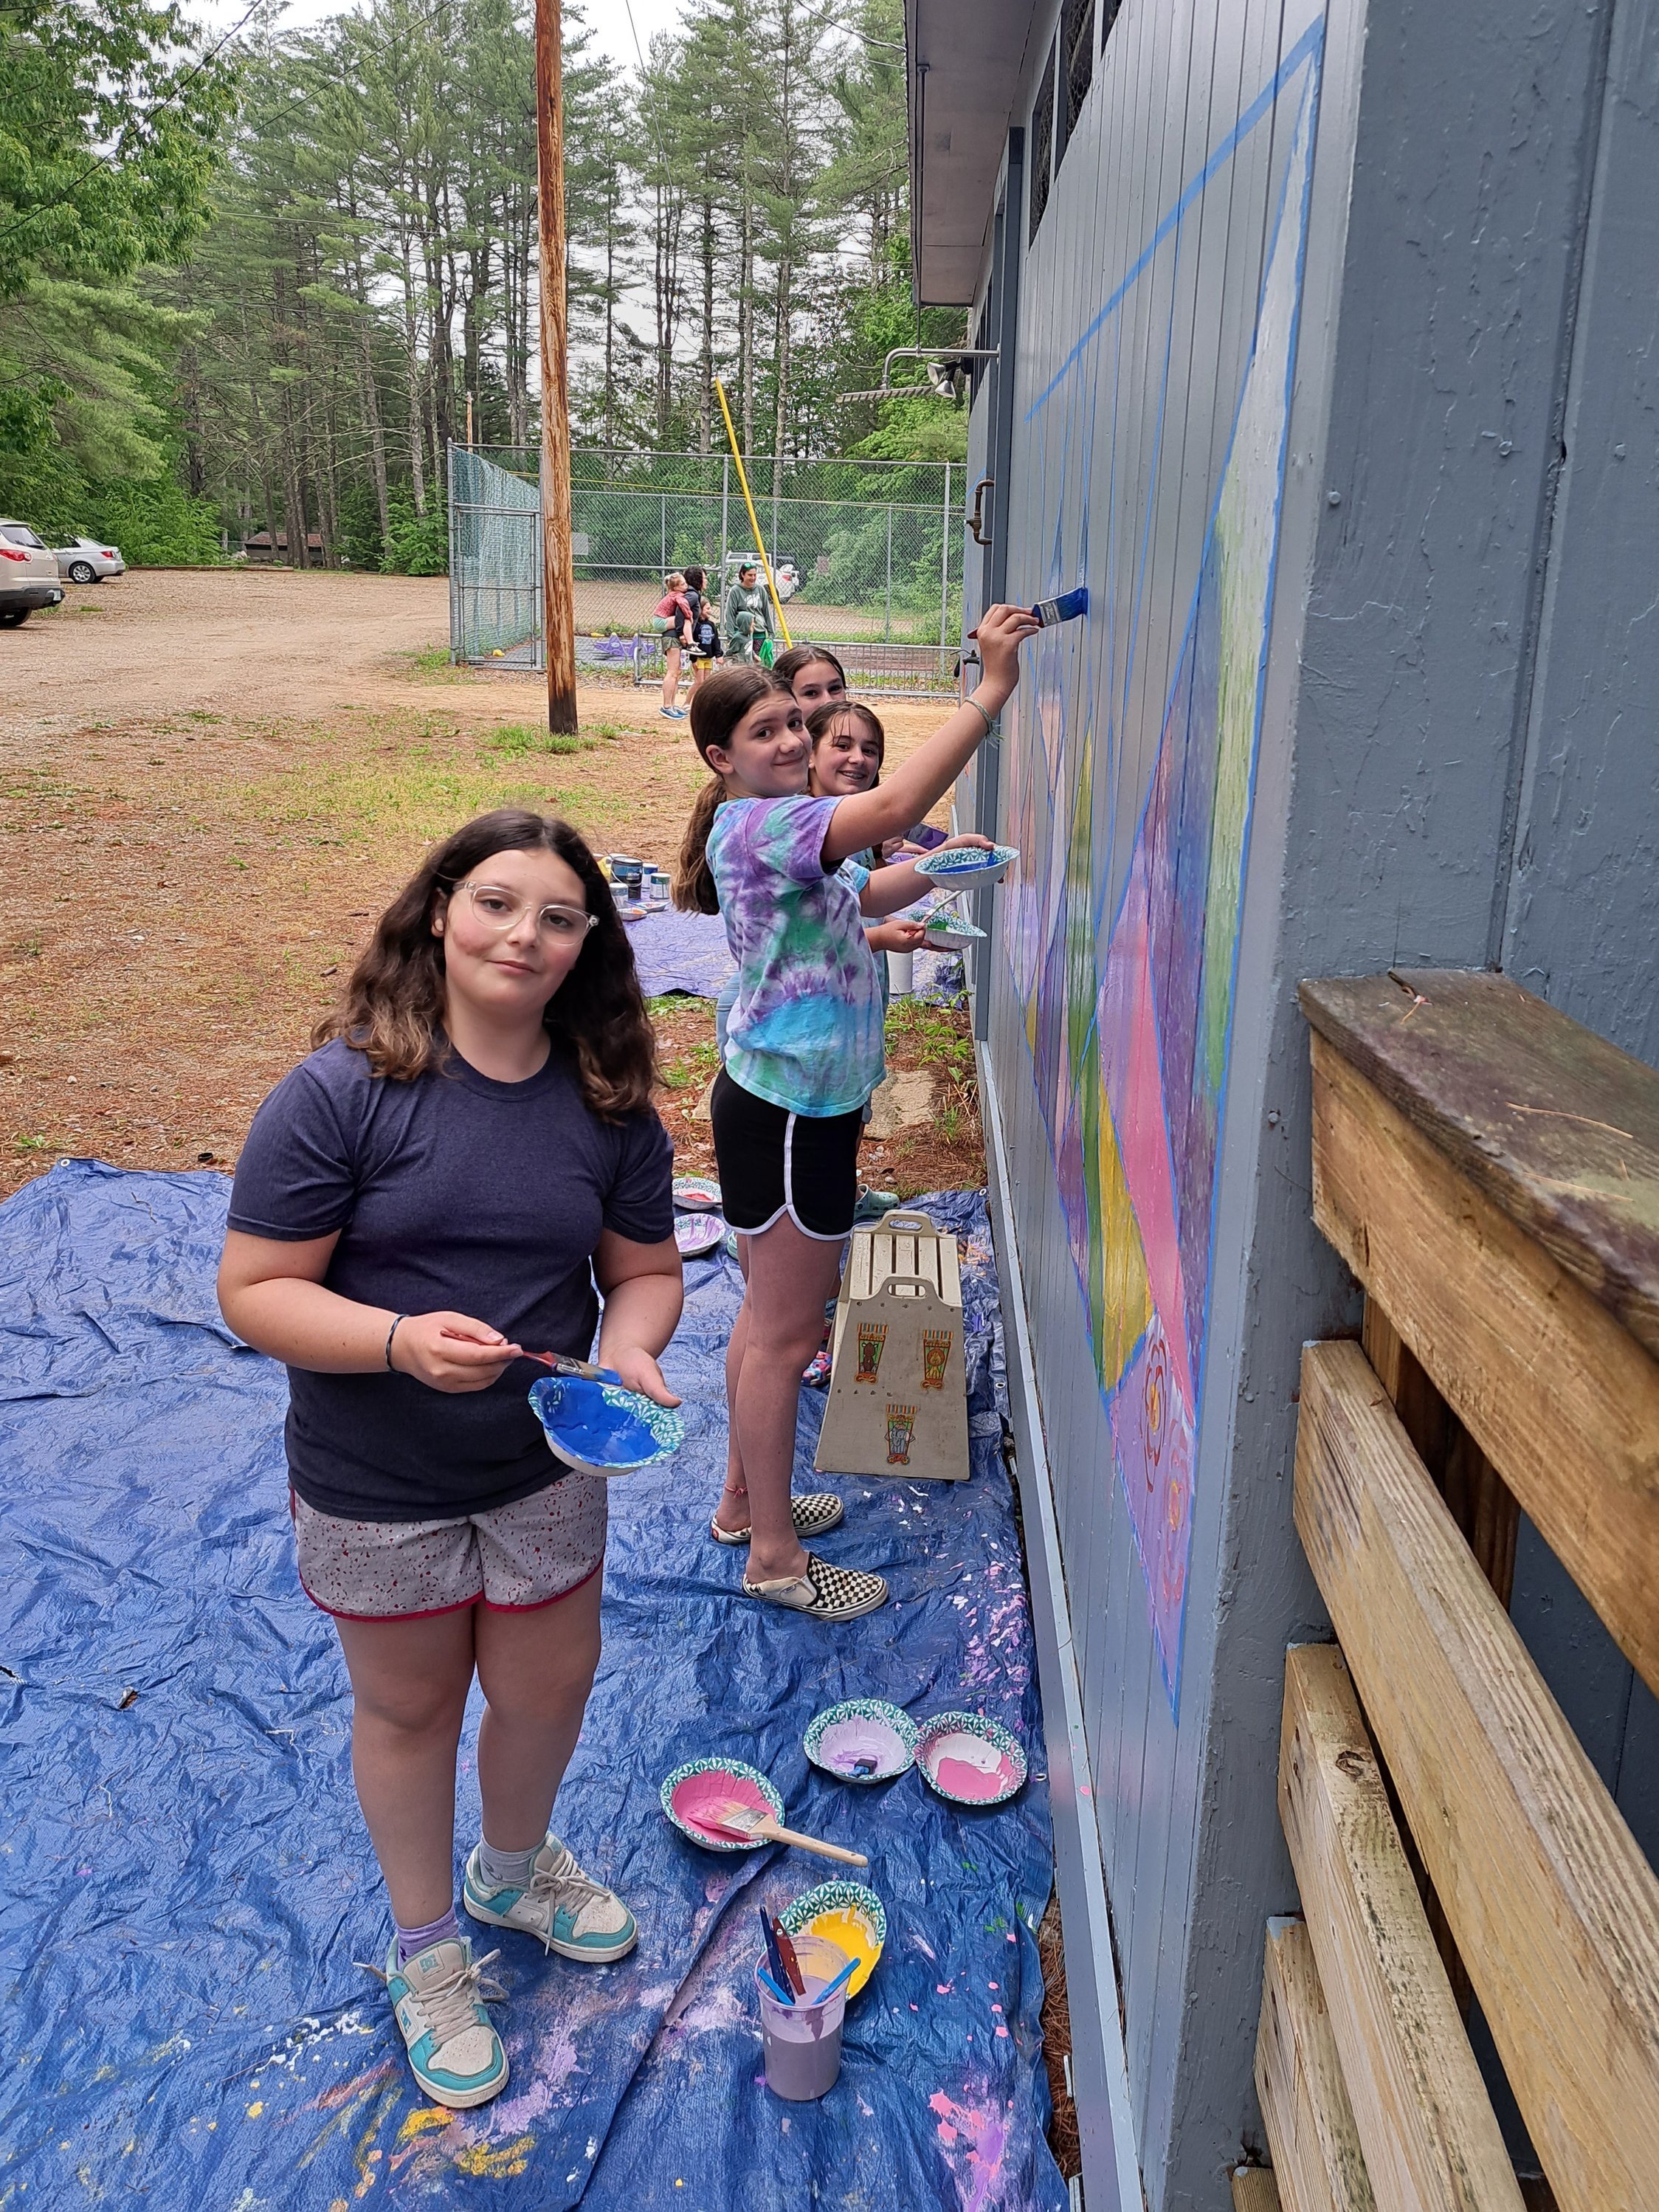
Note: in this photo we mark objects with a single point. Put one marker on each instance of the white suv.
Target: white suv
(28, 574)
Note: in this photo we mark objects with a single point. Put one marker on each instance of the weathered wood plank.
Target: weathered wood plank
(1554, 1908)
(1431, 2141)
(1298, 2080)
(1480, 1501)
(1557, 1126)
(1554, 1390)
(1254, 2188)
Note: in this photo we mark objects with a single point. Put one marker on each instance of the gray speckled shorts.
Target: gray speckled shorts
(514, 1558)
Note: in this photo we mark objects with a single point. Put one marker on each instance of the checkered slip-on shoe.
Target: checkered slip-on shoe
(564, 1908)
(823, 1592)
(814, 1515)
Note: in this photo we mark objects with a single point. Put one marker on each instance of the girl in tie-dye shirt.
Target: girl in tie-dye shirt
(804, 1052)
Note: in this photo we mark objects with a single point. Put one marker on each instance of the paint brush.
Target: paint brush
(767, 1983)
(561, 1363)
(738, 1819)
(1067, 608)
(792, 1974)
(826, 1993)
(774, 1956)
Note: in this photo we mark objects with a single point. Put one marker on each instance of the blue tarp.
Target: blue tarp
(187, 1882)
(687, 952)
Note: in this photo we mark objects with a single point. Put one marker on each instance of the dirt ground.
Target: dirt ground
(212, 781)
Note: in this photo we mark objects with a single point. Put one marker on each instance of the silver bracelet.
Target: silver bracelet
(989, 723)
(390, 1333)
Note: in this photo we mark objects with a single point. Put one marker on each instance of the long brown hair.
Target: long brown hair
(822, 719)
(393, 1008)
(788, 665)
(716, 710)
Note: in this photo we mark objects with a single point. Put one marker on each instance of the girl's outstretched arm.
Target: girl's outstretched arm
(920, 782)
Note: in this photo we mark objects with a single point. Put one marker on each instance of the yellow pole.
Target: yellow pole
(772, 589)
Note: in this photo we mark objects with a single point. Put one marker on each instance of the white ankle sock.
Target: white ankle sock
(505, 1869)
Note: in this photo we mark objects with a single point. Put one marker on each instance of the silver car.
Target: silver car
(88, 561)
(28, 574)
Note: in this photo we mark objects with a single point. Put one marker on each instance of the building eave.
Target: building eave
(964, 60)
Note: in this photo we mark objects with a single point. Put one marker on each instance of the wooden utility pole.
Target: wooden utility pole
(558, 575)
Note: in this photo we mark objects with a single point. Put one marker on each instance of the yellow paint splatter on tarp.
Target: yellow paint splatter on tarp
(256, 2108)
(489, 2163)
(422, 2120)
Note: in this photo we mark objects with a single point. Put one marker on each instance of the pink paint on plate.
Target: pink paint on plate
(965, 1777)
(694, 1797)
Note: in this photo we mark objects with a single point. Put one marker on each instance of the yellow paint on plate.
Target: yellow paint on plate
(847, 1927)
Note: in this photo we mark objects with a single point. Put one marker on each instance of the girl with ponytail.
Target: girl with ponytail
(804, 1052)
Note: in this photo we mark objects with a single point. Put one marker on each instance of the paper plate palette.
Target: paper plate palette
(949, 931)
(698, 1234)
(957, 865)
(847, 1914)
(969, 1760)
(865, 1740)
(701, 1784)
(696, 1194)
(603, 1428)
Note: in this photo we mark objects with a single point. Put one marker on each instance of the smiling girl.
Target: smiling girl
(473, 1137)
(804, 1052)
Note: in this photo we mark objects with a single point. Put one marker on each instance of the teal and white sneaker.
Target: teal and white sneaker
(439, 1998)
(568, 1912)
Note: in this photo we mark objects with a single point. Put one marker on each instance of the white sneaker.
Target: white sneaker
(438, 1999)
(566, 1910)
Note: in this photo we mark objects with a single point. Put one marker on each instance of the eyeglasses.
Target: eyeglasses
(500, 910)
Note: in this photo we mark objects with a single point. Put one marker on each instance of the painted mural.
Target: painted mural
(1128, 1012)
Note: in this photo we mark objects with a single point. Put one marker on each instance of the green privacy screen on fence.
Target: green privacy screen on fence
(868, 554)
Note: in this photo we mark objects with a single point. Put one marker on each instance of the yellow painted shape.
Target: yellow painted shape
(422, 2120)
(847, 1927)
(256, 2108)
(1124, 1292)
(492, 2163)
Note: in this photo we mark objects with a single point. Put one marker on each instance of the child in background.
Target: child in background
(804, 1053)
(813, 674)
(705, 642)
(673, 620)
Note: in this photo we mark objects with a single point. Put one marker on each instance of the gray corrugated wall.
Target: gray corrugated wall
(1454, 758)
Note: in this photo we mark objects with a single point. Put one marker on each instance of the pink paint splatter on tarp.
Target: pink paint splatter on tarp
(973, 2139)
(694, 1797)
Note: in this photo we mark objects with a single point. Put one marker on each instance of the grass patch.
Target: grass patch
(515, 741)
(935, 1038)
(430, 660)
(690, 1066)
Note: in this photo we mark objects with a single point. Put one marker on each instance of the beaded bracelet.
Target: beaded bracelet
(390, 1333)
(989, 721)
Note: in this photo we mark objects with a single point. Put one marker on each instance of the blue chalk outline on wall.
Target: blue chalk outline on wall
(1152, 1399)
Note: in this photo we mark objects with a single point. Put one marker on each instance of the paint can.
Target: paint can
(802, 2041)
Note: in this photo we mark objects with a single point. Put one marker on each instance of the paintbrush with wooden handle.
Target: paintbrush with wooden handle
(740, 1820)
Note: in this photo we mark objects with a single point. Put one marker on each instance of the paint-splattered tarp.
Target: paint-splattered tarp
(687, 952)
(186, 1881)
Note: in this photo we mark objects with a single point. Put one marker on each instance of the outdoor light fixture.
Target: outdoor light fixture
(946, 372)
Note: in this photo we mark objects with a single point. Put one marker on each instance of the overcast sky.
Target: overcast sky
(609, 20)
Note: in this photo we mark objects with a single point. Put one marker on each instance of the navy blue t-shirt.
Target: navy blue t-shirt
(450, 1193)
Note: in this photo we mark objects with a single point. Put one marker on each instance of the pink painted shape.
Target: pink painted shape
(968, 1767)
(1135, 1087)
(692, 1798)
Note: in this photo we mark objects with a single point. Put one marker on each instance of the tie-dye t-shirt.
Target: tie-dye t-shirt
(805, 1032)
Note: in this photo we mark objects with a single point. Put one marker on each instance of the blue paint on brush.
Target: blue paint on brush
(1067, 608)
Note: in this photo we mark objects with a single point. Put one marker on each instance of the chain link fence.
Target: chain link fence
(867, 558)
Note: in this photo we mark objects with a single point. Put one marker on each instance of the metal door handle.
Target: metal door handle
(976, 519)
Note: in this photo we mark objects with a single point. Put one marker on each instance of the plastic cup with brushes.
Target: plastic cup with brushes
(801, 1982)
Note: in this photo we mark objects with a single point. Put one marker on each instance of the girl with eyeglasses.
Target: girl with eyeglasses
(438, 1189)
